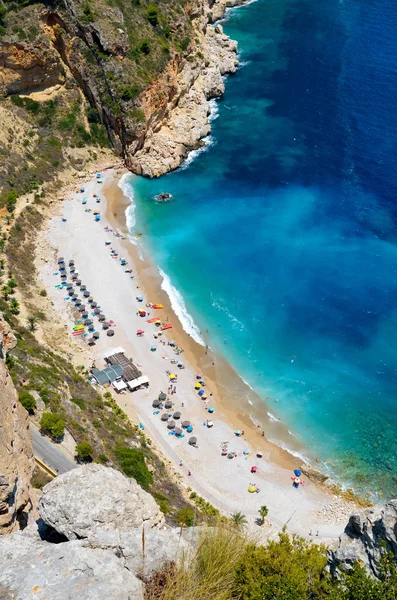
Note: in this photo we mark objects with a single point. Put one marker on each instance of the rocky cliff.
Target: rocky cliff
(16, 459)
(148, 71)
(108, 535)
(366, 534)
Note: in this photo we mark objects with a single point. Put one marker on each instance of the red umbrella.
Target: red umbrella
(254, 469)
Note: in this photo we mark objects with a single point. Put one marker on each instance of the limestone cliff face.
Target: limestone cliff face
(16, 457)
(153, 99)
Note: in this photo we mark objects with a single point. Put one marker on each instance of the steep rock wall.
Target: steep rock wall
(16, 456)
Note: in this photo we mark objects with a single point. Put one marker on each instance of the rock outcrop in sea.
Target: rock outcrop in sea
(16, 456)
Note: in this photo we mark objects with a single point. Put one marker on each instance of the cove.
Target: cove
(281, 236)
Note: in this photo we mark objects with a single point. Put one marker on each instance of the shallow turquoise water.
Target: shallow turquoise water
(282, 234)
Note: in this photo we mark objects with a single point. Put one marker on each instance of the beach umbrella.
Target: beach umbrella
(156, 403)
(105, 325)
(198, 386)
(71, 292)
(259, 454)
(78, 282)
(171, 424)
(84, 314)
(172, 376)
(86, 293)
(110, 332)
(193, 441)
(97, 310)
(83, 288)
(91, 341)
(189, 429)
(178, 431)
(246, 451)
(101, 318)
(88, 322)
(211, 409)
(162, 396)
(210, 424)
(93, 304)
(198, 376)
(185, 423)
(252, 489)
(63, 276)
(140, 332)
(177, 415)
(153, 348)
(96, 335)
(254, 469)
(204, 397)
(61, 260)
(168, 404)
(78, 302)
(62, 269)
(297, 472)
(69, 286)
(164, 417)
(139, 298)
(201, 393)
(71, 263)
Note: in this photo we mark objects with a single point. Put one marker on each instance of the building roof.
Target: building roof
(130, 370)
(135, 383)
(108, 375)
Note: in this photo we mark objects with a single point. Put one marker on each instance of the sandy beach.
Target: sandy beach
(222, 481)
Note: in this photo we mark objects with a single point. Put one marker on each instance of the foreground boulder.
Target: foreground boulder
(366, 533)
(92, 498)
(31, 568)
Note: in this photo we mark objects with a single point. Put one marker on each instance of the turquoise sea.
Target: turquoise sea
(282, 236)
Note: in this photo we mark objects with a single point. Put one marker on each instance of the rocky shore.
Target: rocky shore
(176, 106)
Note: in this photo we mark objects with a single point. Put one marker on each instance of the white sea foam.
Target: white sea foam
(214, 110)
(179, 308)
(299, 455)
(208, 141)
(272, 417)
(236, 324)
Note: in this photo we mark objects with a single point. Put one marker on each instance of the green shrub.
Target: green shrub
(53, 423)
(80, 403)
(129, 93)
(144, 47)
(185, 516)
(162, 501)
(152, 14)
(92, 115)
(27, 401)
(132, 463)
(84, 450)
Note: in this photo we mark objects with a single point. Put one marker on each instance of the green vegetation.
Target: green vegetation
(152, 14)
(238, 519)
(227, 566)
(79, 402)
(263, 512)
(205, 507)
(32, 322)
(39, 480)
(84, 450)
(27, 401)
(53, 424)
(132, 463)
(186, 517)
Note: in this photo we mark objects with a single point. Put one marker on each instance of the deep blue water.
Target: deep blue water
(282, 234)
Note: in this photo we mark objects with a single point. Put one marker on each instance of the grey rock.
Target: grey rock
(145, 552)
(33, 569)
(90, 498)
(365, 534)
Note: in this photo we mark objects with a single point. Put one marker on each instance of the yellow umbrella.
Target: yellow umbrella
(251, 489)
(197, 386)
(204, 397)
(172, 376)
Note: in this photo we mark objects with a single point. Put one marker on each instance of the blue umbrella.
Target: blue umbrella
(297, 473)
(189, 429)
(201, 392)
(211, 409)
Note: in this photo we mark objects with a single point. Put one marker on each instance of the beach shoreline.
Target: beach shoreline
(81, 238)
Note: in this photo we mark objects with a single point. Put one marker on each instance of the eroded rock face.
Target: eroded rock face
(364, 536)
(92, 498)
(32, 569)
(16, 456)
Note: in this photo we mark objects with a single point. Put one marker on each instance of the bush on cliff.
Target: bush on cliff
(84, 450)
(132, 463)
(27, 401)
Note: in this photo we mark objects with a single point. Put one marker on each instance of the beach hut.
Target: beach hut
(168, 404)
(171, 424)
(193, 441)
(110, 332)
(164, 417)
(177, 415)
(185, 424)
(162, 397)
(189, 429)
(178, 431)
(96, 335)
(210, 424)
